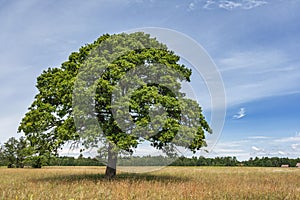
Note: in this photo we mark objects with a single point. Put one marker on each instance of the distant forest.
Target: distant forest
(162, 161)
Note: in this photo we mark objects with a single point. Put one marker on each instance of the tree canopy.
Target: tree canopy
(14, 152)
(120, 90)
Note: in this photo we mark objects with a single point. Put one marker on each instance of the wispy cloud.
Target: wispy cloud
(254, 74)
(229, 148)
(240, 114)
(228, 4)
(295, 138)
(295, 146)
(231, 5)
(255, 148)
(258, 146)
(258, 137)
(244, 4)
(212, 4)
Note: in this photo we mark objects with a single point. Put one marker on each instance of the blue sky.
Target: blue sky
(254, 43)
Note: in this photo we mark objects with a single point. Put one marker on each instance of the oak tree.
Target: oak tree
(121, 90)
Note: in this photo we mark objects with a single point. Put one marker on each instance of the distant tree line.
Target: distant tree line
(202, 161)
(271, 162)
(232, 161)
(20, 153)
(71, 161)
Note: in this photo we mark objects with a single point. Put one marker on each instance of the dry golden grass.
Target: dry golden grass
(168, 183)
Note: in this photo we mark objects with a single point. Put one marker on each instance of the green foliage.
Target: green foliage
(202, 161)
(100, 68)
(14, 152)
(3, 160)
(19, 153)
(37, 160)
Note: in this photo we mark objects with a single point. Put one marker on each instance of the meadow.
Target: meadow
(74, 183)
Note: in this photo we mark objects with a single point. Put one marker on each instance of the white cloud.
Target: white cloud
(295, 146)
(233, 4)
(258, 137)
(255, 148)
(258, 146)
(229, 5)
(281, 153)
(74, 150)
(284, 146)
(288, 139)
(256, 58)
(209, 4)
(67, 151)
(249, 4)
(191, 6)
(230, 150)
(240, 114)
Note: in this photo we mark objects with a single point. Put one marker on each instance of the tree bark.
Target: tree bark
(111, 162)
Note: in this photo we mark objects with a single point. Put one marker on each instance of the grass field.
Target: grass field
(168, 183)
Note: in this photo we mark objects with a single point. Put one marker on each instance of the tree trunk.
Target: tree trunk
(111, 163)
